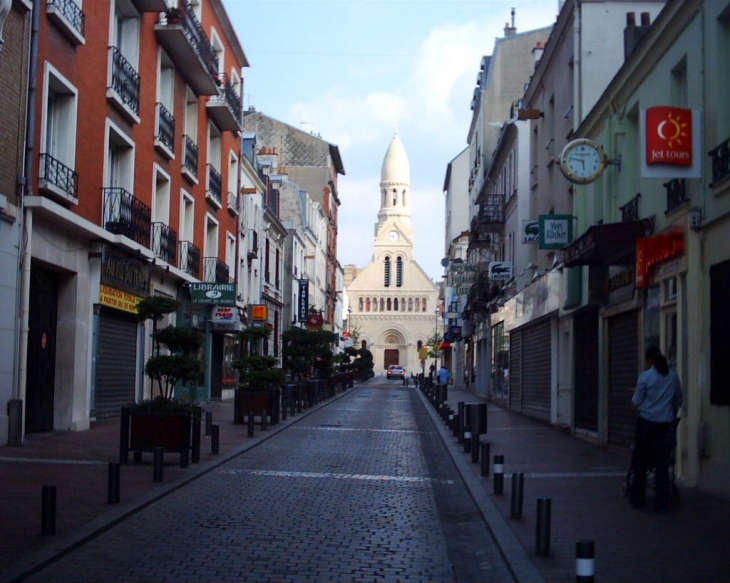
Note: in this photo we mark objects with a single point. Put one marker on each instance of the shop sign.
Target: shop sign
(213, 293)
(672, 142)
(118, 299)
(531, 231)
(500, 270)
(124, 273)
(461, 276)
(556, 231)
(651, 251)
(224, 315)
(303, 307)
(259, 313)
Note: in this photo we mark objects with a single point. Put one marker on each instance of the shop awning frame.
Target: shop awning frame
(607, 244)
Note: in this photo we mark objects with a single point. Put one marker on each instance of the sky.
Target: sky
(354, 71)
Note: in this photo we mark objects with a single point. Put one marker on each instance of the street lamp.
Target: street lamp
(436, 335)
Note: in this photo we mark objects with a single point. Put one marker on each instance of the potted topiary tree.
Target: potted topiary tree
(310, 360)
(162, 420)
(260, 380)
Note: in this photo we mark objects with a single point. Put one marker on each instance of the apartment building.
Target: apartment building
(133, 191)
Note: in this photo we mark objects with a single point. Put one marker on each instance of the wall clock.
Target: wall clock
(582, 161)
(393, 235)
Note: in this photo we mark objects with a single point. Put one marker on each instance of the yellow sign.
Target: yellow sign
(117, 299)
(423, 352)
(258, 313)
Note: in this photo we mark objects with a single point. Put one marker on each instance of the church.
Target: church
(393, 302)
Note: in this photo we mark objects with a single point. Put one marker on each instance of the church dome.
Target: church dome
(395, 164)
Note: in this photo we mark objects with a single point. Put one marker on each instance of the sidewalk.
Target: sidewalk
(585, 485)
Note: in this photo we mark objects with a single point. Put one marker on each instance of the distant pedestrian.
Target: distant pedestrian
(658, 395)
(443, 375)
(432, 369)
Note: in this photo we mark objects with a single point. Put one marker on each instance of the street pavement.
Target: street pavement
(368, 486)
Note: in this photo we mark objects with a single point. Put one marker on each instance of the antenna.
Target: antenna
(512, 12)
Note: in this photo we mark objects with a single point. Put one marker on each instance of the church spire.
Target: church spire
(395, 182)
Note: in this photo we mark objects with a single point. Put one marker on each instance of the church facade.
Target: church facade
(393, 302)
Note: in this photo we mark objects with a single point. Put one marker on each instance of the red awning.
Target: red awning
(609, 244)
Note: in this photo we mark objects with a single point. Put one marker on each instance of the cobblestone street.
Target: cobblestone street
(361, 490)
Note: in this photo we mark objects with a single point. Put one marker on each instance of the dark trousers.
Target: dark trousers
(653, 448)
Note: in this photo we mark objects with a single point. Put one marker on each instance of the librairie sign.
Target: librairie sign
(213, 293)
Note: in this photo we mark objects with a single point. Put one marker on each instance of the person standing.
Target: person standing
(443, 376)
(658, 396)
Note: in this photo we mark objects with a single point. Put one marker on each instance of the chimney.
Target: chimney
(537, 52)
(633, 33)
(510, 30)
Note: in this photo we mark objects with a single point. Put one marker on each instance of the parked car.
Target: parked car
(396, 371)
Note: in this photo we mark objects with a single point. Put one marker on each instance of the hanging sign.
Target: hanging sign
(303, 307)
(556, 231)
(259, 313)
(500, 270)
(671, 138)
(213, 293)
(530, 231)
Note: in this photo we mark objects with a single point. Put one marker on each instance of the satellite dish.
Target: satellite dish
(444, 262)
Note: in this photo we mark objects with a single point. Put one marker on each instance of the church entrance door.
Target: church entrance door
(390, 355)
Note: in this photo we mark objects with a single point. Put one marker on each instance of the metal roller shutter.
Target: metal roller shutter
(116, 362)
(623, 346)
(586, 370)
(515, 367)
(536, 370)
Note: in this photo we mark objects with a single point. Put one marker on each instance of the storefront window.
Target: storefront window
(231, 351)
(652, 318)
(500, 361)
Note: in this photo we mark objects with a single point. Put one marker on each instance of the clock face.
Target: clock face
(393, 235)
(582, 161)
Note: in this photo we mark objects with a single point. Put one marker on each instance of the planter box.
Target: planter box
(249, 401)
(173, 431)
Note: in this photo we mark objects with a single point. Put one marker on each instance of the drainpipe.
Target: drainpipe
(17, 420)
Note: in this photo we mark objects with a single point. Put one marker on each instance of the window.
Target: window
(58, 156)
(386, 273)
(367, 305)
(190, 139)
(165, 134)
(211, 248)
(395, 305)
(418, 304)
(382, 304)
(187, 216)
(360, 304)
(390, 305)
(124, 79)
(164, 238)
(231, 254)
(424, 304)
(410, 304)
(214, 188)
(69, 18)
(399, 272)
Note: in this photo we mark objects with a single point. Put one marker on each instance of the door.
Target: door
(537, 370)
(116, 362)
(623, 370)
(40, 382)
(390, 355)
(586, 370)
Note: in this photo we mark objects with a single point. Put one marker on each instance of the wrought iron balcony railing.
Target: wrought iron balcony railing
(216, 271)
(676, 193)
(165, 128)
(630, 211)
(57, 174)
(197, 37)
(70, 10)
(190, 259)
(233, 202)
(491, 210)
(215, 184)
(225, 107)
(125, 80)
(164, 242)
(720, 157)
(190, 161)
(126, 215)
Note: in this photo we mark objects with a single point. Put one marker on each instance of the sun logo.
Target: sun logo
(673, 130)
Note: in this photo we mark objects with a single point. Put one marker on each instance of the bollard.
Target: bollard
(485, 459)
(216, 439)
(250, 423)
(518, 490)
(264, 420)
(475, 448)
(157, 464)
(208, 423)
(542, 531)
(284, 406)
(48, 510)
(498, 474)
(451, 420)
(585, 553)
(113, 486)
(467, 439)
(460, 422)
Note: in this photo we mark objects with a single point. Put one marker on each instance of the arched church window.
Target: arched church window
(403, 304)
(375, 304)
(423, 305)
(390, 305)
(386, 272)
(403, 198)
(391, 339)
(410, 304)
(395, 305)
(399, 272)
(418, 304)
(382, 304)
(395, 197)
(367, 305)
(360, 303)
(385, 197)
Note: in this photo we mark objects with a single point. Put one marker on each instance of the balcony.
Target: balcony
(150, 5)
(190, 259)
(165, 138)
(232, 203)
(676, 193)
(189, 48)
(225, 108)
(124, 88)
(164, 242)
(720, 157)
(216, 271)
(215, 186)
(253, 244)
(58, 179)
(126, 215)
(69, 18)
(190, 159)
(630, 211)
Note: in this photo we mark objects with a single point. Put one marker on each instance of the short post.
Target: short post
(585, 554)
(467, 439)
(208, 423)
(264, 420)
(113, 486)
(215, 440)
(475, 448)
(498, 474)
(451, 420)
(250, 423)
(48, 510)
(518, 490)
(484, 446)
(284, 404)
(542, 531)
(157, 464)
(460, 422)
